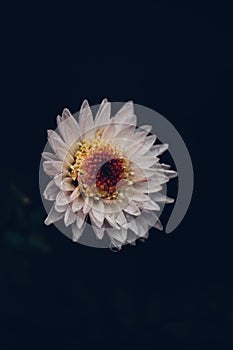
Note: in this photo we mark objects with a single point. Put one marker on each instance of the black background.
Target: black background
(172, 291)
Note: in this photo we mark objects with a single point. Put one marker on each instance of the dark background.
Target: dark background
(174, 291)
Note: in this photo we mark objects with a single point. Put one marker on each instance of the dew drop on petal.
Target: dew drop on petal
(114, 248)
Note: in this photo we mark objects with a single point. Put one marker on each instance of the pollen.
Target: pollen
(100, 169)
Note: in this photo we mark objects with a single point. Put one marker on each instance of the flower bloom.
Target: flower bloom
(105, 171)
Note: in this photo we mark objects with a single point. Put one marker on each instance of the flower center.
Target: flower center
(101, 170)
(109, 175)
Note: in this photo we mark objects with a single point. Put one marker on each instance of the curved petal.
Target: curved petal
(70, 216)
(49, 156)
(77, 232)
(51, 191)
(99, 232)
(103, 114)
(85, 118)
(88, 202)
(119, 235)
(149, 205)
(159, 149)
(120, 218)
(80, 220)
(75, 194)
(97, 212)
(148, 143)
(53, 216)
(132, 209)
(52, 167)
(111, 221)
(60, 208)
(146, 128)
(62, 198)
(96, 219)
(109, 131)
(124, 115)
(68, 127)
(144, 162)
(77, 204)
(148, 186)
(138, 196)
(67, 185)
(159, 197)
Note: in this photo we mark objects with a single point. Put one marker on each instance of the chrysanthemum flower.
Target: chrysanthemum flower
(105, 171)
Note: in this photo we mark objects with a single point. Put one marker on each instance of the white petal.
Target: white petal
(64, 155)
(132, 226)
(148, 186)
(109, 131)
(159, 149)
(99, 232)
(169, 173)
(120, 218)
(51, 191)
(68, 127)
(112, 208)
(158, 225)
(85, 118)
(131, 238)
(149, 205)
(144, 162)
(53, 216)
(126, 114)
(62, 198)
(67, 185)
(52, 167)
(124, 131)
(97, 212)
(60, 208)
(115, 244)
(133, 148)
(119, 235)
(142, 225)
(138, 196)
(70, 216)
(96, 219)
(80, 221)
(139, 136)
(55, 140)
(159, 197)
(146, 173)
(132, 209)
(49, 156)
(148, 143)
(75, 194)
(66, 114)
(146, 128)
(77, 204)
(103, 114)
(110, 219)
(152, 220)
(77, 232)
(88, 203)
(160, 178)
(58, 179)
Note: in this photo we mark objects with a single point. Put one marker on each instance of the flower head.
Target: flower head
(106, 171)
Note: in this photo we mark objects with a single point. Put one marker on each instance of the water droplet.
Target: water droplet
(114, 248)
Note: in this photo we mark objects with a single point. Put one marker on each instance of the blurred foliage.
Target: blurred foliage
(21, 222)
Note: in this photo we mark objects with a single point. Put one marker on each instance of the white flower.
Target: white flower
(105, 170)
